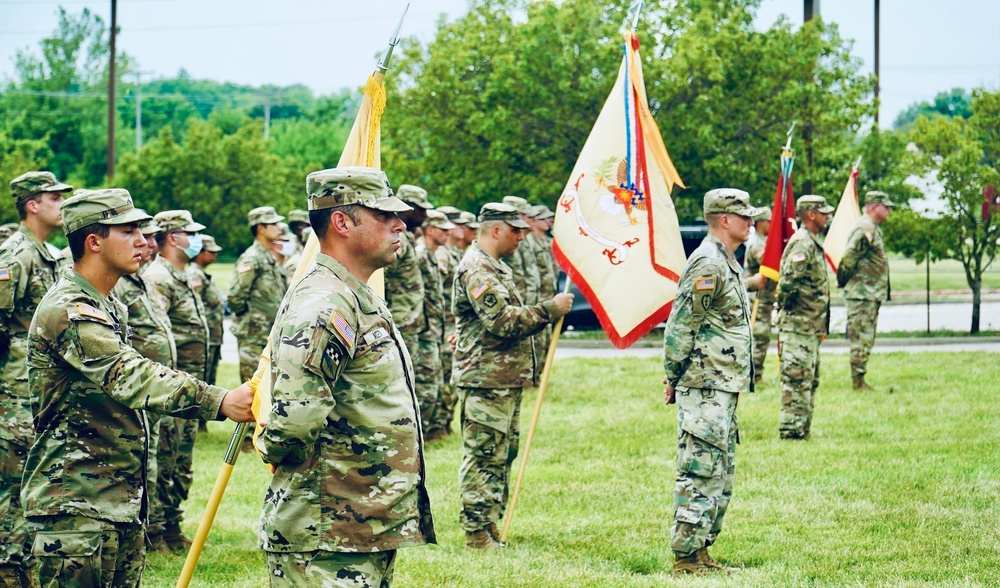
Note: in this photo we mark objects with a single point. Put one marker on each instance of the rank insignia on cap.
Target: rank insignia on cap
(244, 267)
(797, 257)
(340, 325)
(479, 289)
(5, 274)
(706, 283)
(88, 310)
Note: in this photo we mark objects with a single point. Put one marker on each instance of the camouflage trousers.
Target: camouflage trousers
(799, 381)
(174, 455)
(862, 319)
(444, 412)
(155, 516)
(761, 337)
(80, 552)
(250, 350)
(707, 434)
(330, 569)
(427, 378)
(490, 433)
(15, 541)
(214, 357)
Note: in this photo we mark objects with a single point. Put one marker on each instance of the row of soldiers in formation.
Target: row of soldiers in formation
(715, 344)
(74, 496)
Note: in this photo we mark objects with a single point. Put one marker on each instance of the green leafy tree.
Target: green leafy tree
(957, 102)
(16, 157)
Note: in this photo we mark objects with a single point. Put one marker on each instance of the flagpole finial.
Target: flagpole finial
(383, 64)
(857, 164)
(788, 144)
(632, 18)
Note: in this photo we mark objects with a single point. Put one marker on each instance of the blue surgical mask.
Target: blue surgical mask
(194, 246)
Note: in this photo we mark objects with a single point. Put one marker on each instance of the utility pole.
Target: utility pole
(138, 110)
(112, 76)
(267, 114)
(877, 105)
(810, 9)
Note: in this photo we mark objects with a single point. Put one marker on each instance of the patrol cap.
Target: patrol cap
(150, 228)
(812, 202)
(6, 230)
(469, 219)
(286, 233)
(177, 221)
(341, 186)
(208, 244)
(729, 201)
(26, 186)
(494, 211)
(298, 216)
(264, 215)
(517, 202)
(438, 220)
(876, 197)
(411, 194)
(541, 212)
(451, 212)
(763, 215)
(112, 206)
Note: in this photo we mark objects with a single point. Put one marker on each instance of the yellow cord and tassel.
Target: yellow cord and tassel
(376, 91)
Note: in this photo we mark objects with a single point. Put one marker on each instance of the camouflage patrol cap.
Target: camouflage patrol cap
(341, 186)
(411, 194)
(150, 228)
(763, 215)
(177, 221)
(451, 212)
(728, 201)
(112, 206)
(264, 215)
(517, 202)
(541, 212)
(26, 186)
(286, 232)
(298, 216)
(494, 211)
(812, 202)
(208, 244)
(438, 220)
(876, 197)
(468, 219)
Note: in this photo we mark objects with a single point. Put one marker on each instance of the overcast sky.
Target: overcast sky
(927, 46)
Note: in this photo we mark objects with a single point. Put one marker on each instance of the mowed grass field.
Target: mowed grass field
(895, 488)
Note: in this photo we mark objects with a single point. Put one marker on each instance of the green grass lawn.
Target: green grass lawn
(896, 488)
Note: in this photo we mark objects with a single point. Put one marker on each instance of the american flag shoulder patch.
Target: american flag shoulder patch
(479, 290)
(342, 327)
(90, 311)
(704, 283)
(5, 273)
(797, 257)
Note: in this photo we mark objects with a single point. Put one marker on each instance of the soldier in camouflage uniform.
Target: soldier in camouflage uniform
(494, 360)
(539, 218)
(212, 299)
(298, 222)
(174, 290)
(84, 490)
(804, 319)
(28, 269)
(343, 435)
(287, 251)
(404, 284)
(153, 339)
(256, 290)
(765, 296)
(427, 360)
(707, 357)
(863, 275)
(522, 263)
(6, 230)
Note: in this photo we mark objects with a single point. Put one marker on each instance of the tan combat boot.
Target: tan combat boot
(705, 558)
(156, 543)
(495, 533)
(691, 564)
(174, 538)
(858, 383)
(481, 539)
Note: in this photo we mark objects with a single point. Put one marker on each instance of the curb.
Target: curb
(838, 342)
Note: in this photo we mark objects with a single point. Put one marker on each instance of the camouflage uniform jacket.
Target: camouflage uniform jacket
(864, 270)
(344, 428)
(147, 321)
(448, 258)
(546, 266)
(707, 342)
(524, 270)
(213, 301)
(255, 293)
(27, 272)
(173, 290)
(494, 327)
(88, 386)
(754, 254)
(404, 287)
(433, 295)
(804, 288)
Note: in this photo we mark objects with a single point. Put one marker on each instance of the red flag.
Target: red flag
(782, 218)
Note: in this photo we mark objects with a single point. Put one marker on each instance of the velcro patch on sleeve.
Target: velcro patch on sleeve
(5, 273)
(869, 236)
(244, 267)
(343, 328)
(704, 283)
(479, 290)
(196, 282)
(89, 311)
(797, 257)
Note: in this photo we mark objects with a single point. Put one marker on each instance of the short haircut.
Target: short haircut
(78, 237)
(21, 205)
(253, 230)
(320, 219)
(161, 238)
(486, 226)
(712, 220)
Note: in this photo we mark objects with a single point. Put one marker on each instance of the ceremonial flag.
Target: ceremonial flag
(848, 213)
(782, 216)
(616, 233)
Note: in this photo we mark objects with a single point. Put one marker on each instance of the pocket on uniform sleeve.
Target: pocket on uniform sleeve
(72, 557)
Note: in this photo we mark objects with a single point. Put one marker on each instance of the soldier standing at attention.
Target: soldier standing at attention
(84, 491)
(762, 322)
(173, 289)
(863, 275)
(448, 256)
(298, 222)
(212, 299)
(427, 361)
(28, 269)
(708, 362)
(404, 284)
(540, 220)
(257, 288)
(343, 436)
(804, 319)
(494, 360)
